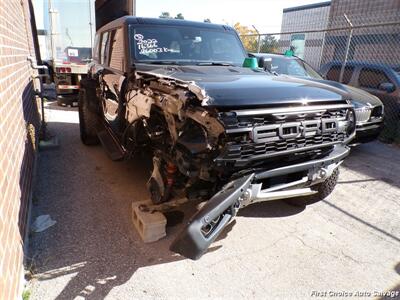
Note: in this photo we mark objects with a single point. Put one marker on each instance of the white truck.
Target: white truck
(65, 30)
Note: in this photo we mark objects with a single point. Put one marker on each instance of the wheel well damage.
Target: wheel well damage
(177, 99)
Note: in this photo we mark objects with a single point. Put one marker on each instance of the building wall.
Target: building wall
(19, 122)
(314, 18)
(371, 44)
(363, 12)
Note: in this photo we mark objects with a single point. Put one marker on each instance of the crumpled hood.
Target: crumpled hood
(235, 86)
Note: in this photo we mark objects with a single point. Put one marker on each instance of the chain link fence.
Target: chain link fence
(351, 52)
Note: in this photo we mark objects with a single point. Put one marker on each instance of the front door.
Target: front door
(113, 76)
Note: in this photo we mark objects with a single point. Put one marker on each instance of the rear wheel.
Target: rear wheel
(88, 120)
(323, 190)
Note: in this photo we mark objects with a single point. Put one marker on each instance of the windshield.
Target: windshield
(293, 67)
(185, 45)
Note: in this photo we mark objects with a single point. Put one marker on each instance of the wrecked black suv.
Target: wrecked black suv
(218, 132)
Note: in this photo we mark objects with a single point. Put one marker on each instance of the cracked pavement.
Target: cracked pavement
(348, 242)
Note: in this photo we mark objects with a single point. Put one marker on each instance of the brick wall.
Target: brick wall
(18, 112)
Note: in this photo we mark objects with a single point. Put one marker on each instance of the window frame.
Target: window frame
(104, 55)
(96, 48)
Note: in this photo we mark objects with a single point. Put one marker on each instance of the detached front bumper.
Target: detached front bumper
(205, 226)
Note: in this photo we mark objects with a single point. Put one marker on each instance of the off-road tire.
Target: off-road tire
(323, 189)
(88, 120)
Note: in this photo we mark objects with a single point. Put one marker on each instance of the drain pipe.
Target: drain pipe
(39, 92)
(35, 66)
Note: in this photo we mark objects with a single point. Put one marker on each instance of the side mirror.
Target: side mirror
(265, 63)
(387, 87)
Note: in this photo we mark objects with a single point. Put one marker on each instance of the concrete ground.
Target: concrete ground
(346, 244)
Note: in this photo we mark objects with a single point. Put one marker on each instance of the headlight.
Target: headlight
(362, 114)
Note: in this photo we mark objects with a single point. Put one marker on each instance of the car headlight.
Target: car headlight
(363, 114)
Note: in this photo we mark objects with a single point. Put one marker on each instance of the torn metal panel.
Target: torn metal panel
(168, 80)
(138, 105)
(213, 126)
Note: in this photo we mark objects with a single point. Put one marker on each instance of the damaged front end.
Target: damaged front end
(205, 226)
(229, 157)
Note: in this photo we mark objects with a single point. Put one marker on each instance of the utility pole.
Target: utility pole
(90, 24)
(53, 33)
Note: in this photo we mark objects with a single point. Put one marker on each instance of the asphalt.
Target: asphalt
(347, 244)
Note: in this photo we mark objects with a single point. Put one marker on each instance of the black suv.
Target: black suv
(218, 132)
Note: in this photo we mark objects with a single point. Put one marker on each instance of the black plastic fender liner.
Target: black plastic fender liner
(192, 242)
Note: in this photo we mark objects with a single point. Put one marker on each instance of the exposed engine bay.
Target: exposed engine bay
(168, 115)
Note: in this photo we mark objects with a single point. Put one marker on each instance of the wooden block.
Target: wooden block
(150, 226)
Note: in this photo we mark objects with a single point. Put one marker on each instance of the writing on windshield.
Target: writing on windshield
(185, 45)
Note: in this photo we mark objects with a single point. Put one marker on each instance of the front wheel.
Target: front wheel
(88, 120)
(323, 190)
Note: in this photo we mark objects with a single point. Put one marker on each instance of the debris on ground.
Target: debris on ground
(42, 223)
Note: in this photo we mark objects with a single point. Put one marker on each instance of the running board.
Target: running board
(111, 145)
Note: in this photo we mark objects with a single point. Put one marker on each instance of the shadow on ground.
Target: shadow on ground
(393, 292)
(380, 162)
(90, 197)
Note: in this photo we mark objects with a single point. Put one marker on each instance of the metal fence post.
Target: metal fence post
(258, 39)
(347, 48)
(322, 51)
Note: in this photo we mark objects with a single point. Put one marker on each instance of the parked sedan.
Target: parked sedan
(368, 108)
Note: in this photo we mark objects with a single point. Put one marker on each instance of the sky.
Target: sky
(265, 15)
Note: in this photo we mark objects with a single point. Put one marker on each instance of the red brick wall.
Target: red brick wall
(18, 112)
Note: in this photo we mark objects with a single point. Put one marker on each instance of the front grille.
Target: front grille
(259, 134)
(246, 150)
(362, 114)
(234, 122)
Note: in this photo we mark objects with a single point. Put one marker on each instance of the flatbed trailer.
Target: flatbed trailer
(66, 77)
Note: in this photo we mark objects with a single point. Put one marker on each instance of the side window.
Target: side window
(103, 47)
(333, 73)
(372, 78)
(117, 49)
(95, 53)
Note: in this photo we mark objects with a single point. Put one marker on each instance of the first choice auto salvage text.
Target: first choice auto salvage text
(388, 294)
